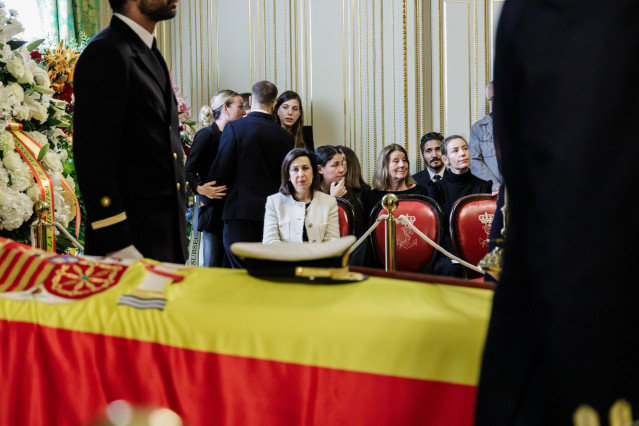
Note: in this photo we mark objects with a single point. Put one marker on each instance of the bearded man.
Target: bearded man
(431, 147)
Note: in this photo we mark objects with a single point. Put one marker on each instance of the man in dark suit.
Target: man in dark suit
(431, 147)
(249, 163)
(127, 148)
(563, 328)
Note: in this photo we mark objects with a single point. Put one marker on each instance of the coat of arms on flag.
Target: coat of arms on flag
(26, 269)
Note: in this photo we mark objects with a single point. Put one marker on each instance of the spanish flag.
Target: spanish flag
(231, 349)
(22, 266)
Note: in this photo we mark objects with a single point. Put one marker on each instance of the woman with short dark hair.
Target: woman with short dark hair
(299, 212)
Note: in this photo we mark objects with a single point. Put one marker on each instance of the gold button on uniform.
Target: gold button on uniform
(169, 128)
(174, 156)
(178, 186)
(105, 201)
(310, 225)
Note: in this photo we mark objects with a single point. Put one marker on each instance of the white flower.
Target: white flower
(12, 161)
(21, 176)
(23, 113)
(17, 91)
(51, 162)
(5, 51)
(6, 141)
(71, 182)
(21, 179)
(15, 208)
(55, 134)
(34, 192)
(62, 208)
(38, 106)
(16, 69)
(41, 77)
(40, 113)
(8, 98)
(10, 29)
(4, 176)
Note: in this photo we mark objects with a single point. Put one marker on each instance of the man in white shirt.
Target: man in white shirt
(127, 146)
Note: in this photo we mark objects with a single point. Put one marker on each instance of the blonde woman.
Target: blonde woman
(392, 175)
(225, 106)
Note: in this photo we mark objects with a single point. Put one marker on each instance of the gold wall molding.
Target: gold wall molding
(405, 68)
(384, 78)
(384, 97)
(480, 23)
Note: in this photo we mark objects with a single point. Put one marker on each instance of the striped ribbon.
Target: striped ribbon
(76, 203)
(29, 150)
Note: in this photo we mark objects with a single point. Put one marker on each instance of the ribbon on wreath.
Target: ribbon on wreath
(29, 150)
(24, 141)
(76, 204)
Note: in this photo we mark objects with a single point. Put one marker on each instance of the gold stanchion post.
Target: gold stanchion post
(389, 202)
(41, 208)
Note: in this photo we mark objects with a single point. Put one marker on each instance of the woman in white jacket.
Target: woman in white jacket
(300, 212)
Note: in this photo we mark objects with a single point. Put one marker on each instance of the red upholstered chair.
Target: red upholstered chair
(413, 254)
(346, 214)
(470, 221)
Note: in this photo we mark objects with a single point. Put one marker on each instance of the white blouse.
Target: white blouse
(284, 219)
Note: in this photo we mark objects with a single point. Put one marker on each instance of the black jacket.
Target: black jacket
(127, 148)
(203, 152)
(249, 163)
(564, 320)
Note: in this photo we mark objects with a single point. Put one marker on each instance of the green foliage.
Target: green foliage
(34, 44)
(43, 152)
(78, 45)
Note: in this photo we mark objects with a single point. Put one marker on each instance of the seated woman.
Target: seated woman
(289, 114)
(457, 183)
(225, 106)
(354, 179)
(299, 212)
(392, 175)
(332, 170)
(354, 184)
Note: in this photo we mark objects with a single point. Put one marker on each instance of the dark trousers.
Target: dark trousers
(241, 231)
(444, 266)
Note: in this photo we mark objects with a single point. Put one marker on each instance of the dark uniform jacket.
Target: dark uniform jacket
(127, 148)
(249, 163)
(564, 322)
